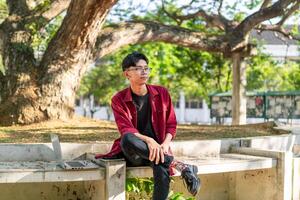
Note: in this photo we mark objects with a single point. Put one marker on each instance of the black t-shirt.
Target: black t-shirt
(143, 108)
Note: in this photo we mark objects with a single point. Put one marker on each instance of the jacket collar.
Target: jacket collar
(152, 92)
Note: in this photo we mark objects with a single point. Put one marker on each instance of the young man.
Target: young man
(146, 121)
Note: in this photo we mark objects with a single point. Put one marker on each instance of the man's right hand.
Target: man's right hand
(155, 151)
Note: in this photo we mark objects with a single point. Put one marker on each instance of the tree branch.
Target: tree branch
(279, 29)
(113, 38)
(265, 4)
(172, 16)
(213, 20)
(75, 39)
(277, 9)
(289, 13)
(56, 7)
(220, 7)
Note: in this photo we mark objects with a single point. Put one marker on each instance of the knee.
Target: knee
(168, 160)
(126, 139)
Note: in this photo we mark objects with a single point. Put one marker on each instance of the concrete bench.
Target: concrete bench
(223, 163)
(36, 166)
(114, 172)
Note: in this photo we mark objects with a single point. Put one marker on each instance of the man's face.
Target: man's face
(139, 73)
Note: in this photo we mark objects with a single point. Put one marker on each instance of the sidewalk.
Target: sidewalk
(294, 128)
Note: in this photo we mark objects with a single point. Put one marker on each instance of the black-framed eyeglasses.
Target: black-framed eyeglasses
(139, 69)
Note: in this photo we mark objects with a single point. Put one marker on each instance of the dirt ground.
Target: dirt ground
(85, 130)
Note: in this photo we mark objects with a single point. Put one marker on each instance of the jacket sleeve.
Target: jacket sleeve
(122, 117)
(171, 122)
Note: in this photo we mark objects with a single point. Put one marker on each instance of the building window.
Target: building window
(187, 104)
(194, 104)
(200, 104)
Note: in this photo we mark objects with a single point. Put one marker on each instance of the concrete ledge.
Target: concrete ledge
(296, 178)
(44, 151)
(276, 143)
(284, 168)
(30, 172)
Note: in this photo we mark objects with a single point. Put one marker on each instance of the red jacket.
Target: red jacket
(163, 116)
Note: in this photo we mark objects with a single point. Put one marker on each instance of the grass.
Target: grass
(85, 130)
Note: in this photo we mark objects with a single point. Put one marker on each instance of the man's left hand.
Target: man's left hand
(165, 147)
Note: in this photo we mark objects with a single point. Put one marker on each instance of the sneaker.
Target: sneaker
(192, 181)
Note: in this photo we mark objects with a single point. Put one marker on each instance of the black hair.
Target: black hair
(132, 59)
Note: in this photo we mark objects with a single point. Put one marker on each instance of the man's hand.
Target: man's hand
(165, 147)
(166, 144)
(155, 151)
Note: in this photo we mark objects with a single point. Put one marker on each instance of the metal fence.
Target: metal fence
(267, 105)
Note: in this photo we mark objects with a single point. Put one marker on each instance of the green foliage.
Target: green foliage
(142, 189)
(178, 196)
(2, 68)
(177, 68)
(42, 36)
(43, 6)
(240, 16)
(22, 48)
(140, 186)
(295, 29)
(252, 4)
(103, 81)
(3, 10)
(265, 74)
(202, 73)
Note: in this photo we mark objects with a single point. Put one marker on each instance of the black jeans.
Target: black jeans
(136, 153)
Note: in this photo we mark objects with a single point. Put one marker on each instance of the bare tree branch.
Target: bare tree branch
(178, 21)
(220, 7)
(211, 20)
(289, 13)
(112, 38)
(188, 5)
(217, 21)
(279, 29)
(277, 9)
(57, 7)
(47, 14)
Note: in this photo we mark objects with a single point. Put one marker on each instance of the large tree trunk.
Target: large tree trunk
(239, 102)
(51, 94)
(18, 89)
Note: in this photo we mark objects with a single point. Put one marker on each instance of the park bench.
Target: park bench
(211, 157)
(216, 157)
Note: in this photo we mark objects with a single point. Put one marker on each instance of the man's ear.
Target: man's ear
(125, 73)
